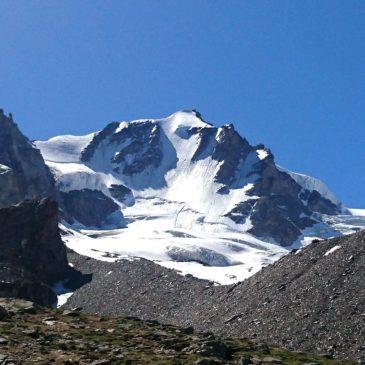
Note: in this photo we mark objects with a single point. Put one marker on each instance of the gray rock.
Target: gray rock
(26, 175)
(122, 194)
(271, 360)
(303, 317)
(198, 254)
(101, 362)
(91, 208)
(4, 314)
(207, 362)
(32, 254)
(245, 360)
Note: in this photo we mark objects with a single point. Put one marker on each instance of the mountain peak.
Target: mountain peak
(8, 118)
(186, 119)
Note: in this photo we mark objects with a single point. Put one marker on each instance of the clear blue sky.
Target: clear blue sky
(290, 74)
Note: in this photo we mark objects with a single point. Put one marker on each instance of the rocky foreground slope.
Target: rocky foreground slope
(31, 335)
(311, 300)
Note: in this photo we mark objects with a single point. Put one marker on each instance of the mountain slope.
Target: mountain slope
(214, 171)
(184, 193)
(310, 300)
(313, 298)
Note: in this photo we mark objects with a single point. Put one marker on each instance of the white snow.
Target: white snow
(155, 226)
(357, 212)
(333, 249)
(4, 169)
(122, 125)
(183, 119)
(262, 154)
(64, 148)
(311, 183)
(63, 298)
(76, 176)
(346, 223)
(63, 294)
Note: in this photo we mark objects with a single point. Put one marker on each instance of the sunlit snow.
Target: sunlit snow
(262, 154)
(333, 249)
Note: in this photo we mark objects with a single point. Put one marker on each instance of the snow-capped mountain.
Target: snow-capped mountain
(184, 193)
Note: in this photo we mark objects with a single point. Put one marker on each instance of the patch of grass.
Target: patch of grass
(85, 338)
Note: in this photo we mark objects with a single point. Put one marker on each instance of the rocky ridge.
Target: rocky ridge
(23, 173)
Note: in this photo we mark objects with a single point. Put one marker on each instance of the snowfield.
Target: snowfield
(177, 219)
(358, 212)
(178, 238)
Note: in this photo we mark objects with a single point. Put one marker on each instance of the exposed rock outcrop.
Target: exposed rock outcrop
(91, 208)
(198, 254)
(32, 254)
(23, 173)
(122, 194)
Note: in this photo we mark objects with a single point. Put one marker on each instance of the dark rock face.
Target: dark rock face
(206, 142)
(89, 151)
(311, 300)
(242, 211)
(279, 208)
(122, 194)
(91, 208)
(318, 203)
(224, 145)
(140, 148)
(145, 147)
(230, 149)
(23, 173)
(276, 211)
(21, 283)
(281, 222)
(32, 254)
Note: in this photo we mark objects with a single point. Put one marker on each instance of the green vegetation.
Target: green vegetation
(32, 335)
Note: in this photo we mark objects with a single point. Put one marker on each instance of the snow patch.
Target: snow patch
(122, 125)
(357, 212)
(262, 154)
(333, 249)
(156, 227)
(4, 169)
(64, 148)
(63, 294)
